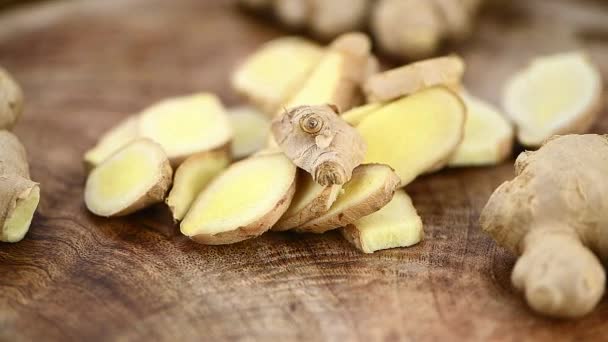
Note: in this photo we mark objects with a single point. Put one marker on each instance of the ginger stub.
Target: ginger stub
(191, 177)
(371, 187)
(136, 176)
(557, 94)
(20, 196)
(415, 134)
(554, 215)
(488, 136)
(11, 100)
(243, 202)
(275, 71)
(397, 224)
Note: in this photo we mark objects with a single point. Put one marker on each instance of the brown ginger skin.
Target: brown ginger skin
(554, 214)
(11, 100)
(317, 140)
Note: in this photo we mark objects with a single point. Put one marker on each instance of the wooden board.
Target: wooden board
(85, 65)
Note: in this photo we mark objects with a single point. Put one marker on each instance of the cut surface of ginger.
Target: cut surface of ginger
(370, 188)
(310, 200)
(275, 71)
(118, 136)
(191, 177)
(18, 222)
(355, 115)
(187, 125)
(488, 135)
(397, 224)
(250, 129)
(244, 201)
(415, 134)
(557, 94)
(136, 176)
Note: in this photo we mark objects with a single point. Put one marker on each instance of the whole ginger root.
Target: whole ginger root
(554, 214)
(317, 140)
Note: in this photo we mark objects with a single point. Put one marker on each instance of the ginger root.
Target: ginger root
(553, 214)
(19, 195)
(408, 79)
(243, 202)
(118, 136)
(370, 189)
(557, 94)
(317, 140)
(415, 134)
(488, 136)
(11, 100)
(250, 129)
(397, 224)
(191, 177)
(136, 176)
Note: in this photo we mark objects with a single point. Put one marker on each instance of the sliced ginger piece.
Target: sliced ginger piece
(18, 193)
(488, 136)
(191, 177)
(187, 125)
(118, 136)
(337, 76)
(357, 114)
(136, 176)
(408, 79)
(415, 134)
(557, 94)
(371, 187)
(310, 200)
(250, 128)
(275, 71)
(243, 202)
(397, 224)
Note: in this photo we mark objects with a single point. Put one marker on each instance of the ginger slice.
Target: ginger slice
(557, 94)
(243, 202)
(136, 176)
(337, 76)
(250, 128)
(397, 224)
(19, 195)
(275, 71)
(310, 200)
(11, 100)
(118, 136)
(354, 116)
(187, 125)
(415, 134)
(191, 177)
(408, 79)
(371, 187)
(488, 136)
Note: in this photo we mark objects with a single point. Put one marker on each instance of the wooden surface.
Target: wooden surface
(85, 65)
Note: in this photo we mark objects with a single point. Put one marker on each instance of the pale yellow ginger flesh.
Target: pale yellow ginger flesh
(415, 134)
(243, 202)
(191, 177)
(118, 136)
(250, 128)
(371, 187)
(187, 125)
(11, 100)
(354, 116)
(554, 214)
(19, 196)
(310, 200)
(488, 135)
(275, 71)
(397, 224)
(136, 176)
(557, 94)
(395, 83)
(337, 76)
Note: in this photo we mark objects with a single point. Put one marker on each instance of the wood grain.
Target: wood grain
(85, 65)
